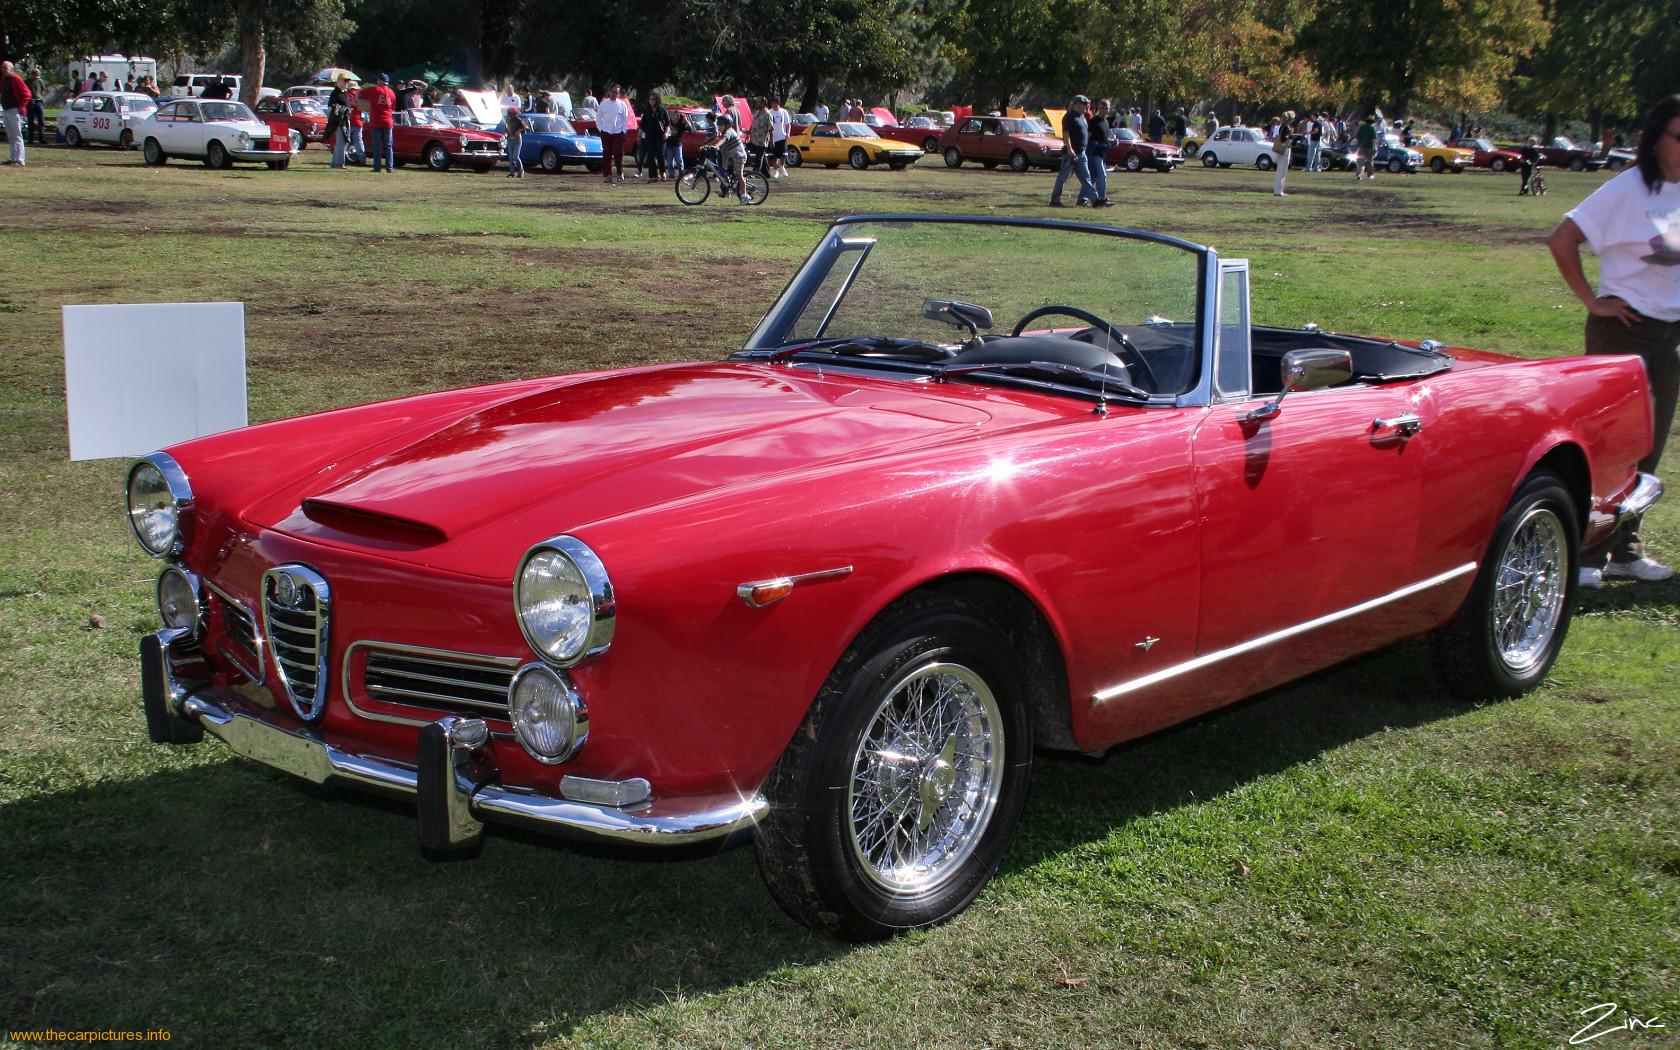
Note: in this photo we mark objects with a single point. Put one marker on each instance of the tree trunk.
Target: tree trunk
(1551, 128)
(808, 98)
(253, 51)
(1596, 116)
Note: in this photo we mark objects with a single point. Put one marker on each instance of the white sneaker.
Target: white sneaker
(1591, 579)
(1645, 569)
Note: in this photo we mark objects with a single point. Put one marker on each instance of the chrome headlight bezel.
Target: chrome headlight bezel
(180, 492)
(195, 588)
(603, 603)
(576, 710)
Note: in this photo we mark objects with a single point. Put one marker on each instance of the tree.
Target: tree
(293, 33)
(1001, 49)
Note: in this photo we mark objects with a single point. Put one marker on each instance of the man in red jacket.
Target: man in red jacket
(14, 99)
(379, 102)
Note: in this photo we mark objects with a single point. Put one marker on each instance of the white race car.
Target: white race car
(105, 116)
(214, 131)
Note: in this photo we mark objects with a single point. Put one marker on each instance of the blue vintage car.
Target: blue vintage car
(551, 143)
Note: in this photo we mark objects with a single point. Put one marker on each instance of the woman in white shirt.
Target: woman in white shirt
(1632, 223)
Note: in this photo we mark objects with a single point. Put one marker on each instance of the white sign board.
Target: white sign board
(140, 377)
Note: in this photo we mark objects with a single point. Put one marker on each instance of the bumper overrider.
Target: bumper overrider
(454, 781)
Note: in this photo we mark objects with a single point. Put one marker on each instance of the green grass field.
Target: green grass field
(1352, 861)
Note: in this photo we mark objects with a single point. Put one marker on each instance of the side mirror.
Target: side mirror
(962, 315)
(1306, 370)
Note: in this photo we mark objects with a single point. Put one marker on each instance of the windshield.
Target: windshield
(307, 105)
(1105, 301)
(1023, 126)
(226, 111)
(551, 125)
(1484, 145)
(857, 131)
(139, 106)
(426, 118)
(1562, 143)
(1427, 140)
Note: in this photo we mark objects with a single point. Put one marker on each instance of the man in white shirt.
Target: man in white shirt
(612, 120)
(781, 123)
(821, 113)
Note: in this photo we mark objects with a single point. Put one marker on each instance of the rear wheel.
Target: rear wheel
(550, 159)
(756, 185)
(857, 158)
(216, 156)
(953, 157)
(1017, 161)
(1264, 162)
(899, 794)
(126, 139)
(794, 157)
(930, 145)
(1209, 160)
(152, 153)
(693, 187)
(437, 158)
(1510, 629)
(72, 136)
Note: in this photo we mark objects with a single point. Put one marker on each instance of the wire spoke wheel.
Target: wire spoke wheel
(925, 778)
(1530, 590)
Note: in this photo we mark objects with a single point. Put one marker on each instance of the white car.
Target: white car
(105, 116)
(320, 91)
(217, 132)
(1230, 146)
(192, 85)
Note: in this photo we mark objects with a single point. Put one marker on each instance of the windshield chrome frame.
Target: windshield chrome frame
(788, 306)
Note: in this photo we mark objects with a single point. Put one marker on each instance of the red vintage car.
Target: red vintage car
(701, 123)
(1020, 142)
(1487, 155)
(1562, 153)
(840, 586)
(923, 130)
(1133, 152)
(425, 136)
(306, 116)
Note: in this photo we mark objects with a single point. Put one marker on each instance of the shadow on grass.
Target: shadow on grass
(238, 907)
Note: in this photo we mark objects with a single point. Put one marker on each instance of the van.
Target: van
(192, 85)
(115, 67)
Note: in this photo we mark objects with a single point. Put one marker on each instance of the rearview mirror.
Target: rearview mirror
(1306, 370)
(962, 315)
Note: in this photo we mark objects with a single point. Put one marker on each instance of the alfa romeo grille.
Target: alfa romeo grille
(297, 606)
(461, 683)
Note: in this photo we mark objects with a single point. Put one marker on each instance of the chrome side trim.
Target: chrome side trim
(1645, 494)
(258, 675)
(1277, 636)
(490, 663)
(745, 591)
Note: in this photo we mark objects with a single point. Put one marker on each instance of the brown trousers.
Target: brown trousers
(1658, 344)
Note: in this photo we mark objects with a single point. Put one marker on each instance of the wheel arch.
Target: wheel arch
(1568, 460)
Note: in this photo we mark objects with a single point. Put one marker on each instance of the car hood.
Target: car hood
(556, 457)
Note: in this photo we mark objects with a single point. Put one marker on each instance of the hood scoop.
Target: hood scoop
(370, 524)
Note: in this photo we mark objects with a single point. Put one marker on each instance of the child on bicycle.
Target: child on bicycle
(732, 155)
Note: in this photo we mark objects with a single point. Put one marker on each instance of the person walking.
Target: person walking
(781, 125)
(1632, 223)
(612, 120)
(1282, 146)
(1530, 160)
(1096, 155)
(1075, 139)
(654, 121)
(1367, 139)
(14, 101)
(515, 126)
(35, 114)
(380, 104)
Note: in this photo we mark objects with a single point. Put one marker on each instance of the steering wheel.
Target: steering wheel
(1114, 335)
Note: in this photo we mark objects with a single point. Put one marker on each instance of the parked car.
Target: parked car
(306, 116)
(465, 117)
(1332, 157)
(1020, 142)
(599, 604)
(1235, 145)
(920, 131)
(1484, 154)
(192, 85)
(1392, 155)
(551, 143)
(1439, 157)
(1562, 153)
(701, 125)
(315, 91)
(216, 131)
(104, 116)
(1133, 152)
(1616, 158)
(425, 136)
(833, 144)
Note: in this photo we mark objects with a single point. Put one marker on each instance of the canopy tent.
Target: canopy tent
(437, 74)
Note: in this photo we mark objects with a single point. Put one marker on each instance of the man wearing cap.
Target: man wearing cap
(1075, 138)
(14, 100)
(380, 102)
(338, 120)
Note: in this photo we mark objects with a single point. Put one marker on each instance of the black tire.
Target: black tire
(1264, 162)
(809, 851)
(757, 186)
(1191, 148)
(831, 166)
(989, 164)
(152, 153)
(693, 187)
(550, 159)
(1437, 165)
(1134, 163)
(1541, 521)
(1616, 165)
(953, 157)
(216, 156)
(930, 144)
(1225, 164)
(592, 166)
(897, 165)
(1498, 164)
(1577, 164)
(436, 156)
(278, 165)
(794, 157)
(1395, 167)
(1018, 161)
(857, 158)
(1209, 160)
(73, 136)
(126, 139)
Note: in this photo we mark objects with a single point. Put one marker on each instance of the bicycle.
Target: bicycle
(695, 184)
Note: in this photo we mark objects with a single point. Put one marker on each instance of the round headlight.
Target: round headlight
(177, 598)
(242, 141)
(564, 601)
(158, 496)
(547, 715)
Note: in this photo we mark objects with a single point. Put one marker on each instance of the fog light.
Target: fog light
(547, 715)
(178, 599)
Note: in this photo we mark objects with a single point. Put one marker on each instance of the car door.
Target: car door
(77, 114)
(186, 133)
(968, 138)
(104, 122)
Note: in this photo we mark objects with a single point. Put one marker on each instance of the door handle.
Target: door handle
(1405, 424)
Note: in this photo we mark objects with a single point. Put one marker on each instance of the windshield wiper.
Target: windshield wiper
(1104, 382)
(868, 346)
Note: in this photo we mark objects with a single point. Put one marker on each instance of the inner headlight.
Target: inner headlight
(463, 141)
(548, 717)
(158, 499)
(178, 599)
(242, 141)
(564, 601)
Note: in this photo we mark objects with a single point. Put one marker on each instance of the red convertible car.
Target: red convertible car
(922, 130)
(425, 136)
(1487, 155)
(1134, 153)
(1020, 142)
(1563, 153)
(837, 588)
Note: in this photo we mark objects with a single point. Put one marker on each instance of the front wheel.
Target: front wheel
(437, 158)
(1395, 167)
(857, 158)
(1577, 164)
(693, 187)
(1209, 160)
(1437, 165)
(550, 159)
(152, 153)
(1499, 164)
(1134, 163)
(900, 792)
(72, 136)
(1018, 161)
(216, 156)
(756, 185)
(1510, 629)
(953, 157)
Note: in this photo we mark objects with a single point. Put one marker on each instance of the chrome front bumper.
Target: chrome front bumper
(455, 782)
(1646, 491)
